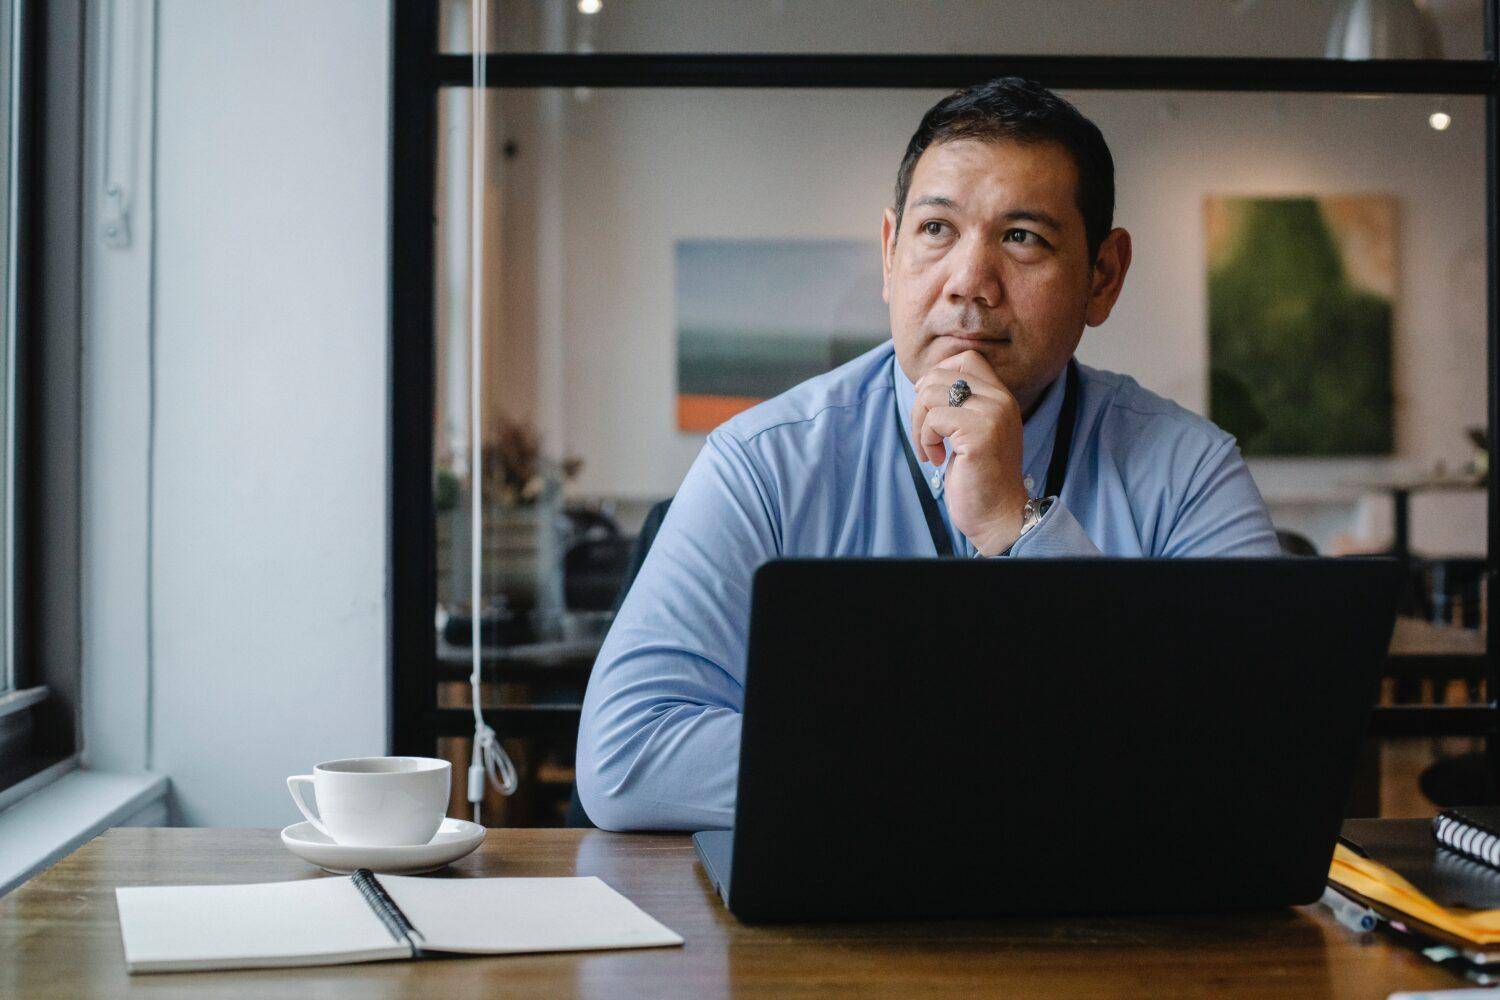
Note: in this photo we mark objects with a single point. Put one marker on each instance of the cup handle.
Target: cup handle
(294, 785)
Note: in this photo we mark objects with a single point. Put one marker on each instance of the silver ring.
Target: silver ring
(958, 392)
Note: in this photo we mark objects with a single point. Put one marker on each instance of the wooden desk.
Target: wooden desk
(60, 937)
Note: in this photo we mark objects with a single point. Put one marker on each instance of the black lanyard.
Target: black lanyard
(1057, 468)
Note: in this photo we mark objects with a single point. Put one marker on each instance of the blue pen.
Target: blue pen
(1352, 915)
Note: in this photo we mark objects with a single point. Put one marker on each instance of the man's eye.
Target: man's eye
(1021, 235)
(933, 228)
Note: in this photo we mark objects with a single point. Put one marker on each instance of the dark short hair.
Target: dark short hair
(1022, 111)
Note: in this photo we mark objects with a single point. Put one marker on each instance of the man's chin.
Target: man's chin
(999, 353)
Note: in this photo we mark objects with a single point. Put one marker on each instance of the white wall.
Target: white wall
(640, 169)
(268, 475)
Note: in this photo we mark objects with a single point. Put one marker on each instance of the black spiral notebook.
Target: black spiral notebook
(1410, 848)
(1472, 831)
(370, 918)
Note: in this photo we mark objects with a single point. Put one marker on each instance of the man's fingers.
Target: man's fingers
(971, 366)
(986, 404)
(935, 394)
(982, 399)
(933, 454)
(935, 398)
(983, 403)
(944, 422)
(947, 373)
(929, 444)
(971, 362)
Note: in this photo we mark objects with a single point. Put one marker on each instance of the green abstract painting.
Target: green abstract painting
(1301, 300)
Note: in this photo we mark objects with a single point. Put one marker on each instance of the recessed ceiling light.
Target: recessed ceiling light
(1439, 120)
(590, 6)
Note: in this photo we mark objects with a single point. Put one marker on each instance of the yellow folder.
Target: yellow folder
(1377, 883)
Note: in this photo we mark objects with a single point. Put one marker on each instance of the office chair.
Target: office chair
(595, 561)
(1293, 544)
(576, 816)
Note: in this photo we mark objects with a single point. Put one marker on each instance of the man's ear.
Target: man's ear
(1108, 277)
(887, 251)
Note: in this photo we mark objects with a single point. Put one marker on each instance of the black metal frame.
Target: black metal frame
(46, 382)
(28, 183)
(1199, 73)
(411, 552)
(21, 756)
(419, 72)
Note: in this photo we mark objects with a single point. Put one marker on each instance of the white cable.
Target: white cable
(488, 758)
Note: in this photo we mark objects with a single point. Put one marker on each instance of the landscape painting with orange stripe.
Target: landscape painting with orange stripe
(757, 317)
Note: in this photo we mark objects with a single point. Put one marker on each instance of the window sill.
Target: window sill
(48, 824)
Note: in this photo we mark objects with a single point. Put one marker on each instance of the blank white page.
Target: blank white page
(312, 922)
(506, 915)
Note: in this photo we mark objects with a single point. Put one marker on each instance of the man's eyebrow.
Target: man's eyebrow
(1033, 215)
(935, 199)
(1036, 215)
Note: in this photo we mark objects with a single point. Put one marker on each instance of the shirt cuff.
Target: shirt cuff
(1057, 535)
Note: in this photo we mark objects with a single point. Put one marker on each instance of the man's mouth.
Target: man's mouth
(976, 337)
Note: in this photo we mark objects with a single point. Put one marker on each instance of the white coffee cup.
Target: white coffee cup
(376, 801)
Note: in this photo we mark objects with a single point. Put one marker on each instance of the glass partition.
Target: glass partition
(657, 259)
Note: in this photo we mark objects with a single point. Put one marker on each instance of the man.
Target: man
(998, 251)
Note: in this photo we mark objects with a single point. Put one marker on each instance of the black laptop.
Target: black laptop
(940, 738)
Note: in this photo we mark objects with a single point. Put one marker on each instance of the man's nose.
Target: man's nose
(975, 274)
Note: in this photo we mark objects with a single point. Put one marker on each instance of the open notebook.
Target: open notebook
(368, 918)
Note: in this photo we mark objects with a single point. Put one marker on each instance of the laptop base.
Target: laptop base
(715, 848)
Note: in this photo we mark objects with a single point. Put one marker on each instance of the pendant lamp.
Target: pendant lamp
(1381, 29)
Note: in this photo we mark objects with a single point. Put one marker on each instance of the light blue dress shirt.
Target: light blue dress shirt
(820, 471)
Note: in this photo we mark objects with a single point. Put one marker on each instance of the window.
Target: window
(40, 82)
(18, 695)
(10, 95)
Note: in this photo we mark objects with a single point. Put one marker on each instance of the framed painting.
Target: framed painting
(1301, 304)
(756, 317)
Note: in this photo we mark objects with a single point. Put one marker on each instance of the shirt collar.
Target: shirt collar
(1037, 432)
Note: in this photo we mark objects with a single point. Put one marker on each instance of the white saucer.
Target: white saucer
(454, 839)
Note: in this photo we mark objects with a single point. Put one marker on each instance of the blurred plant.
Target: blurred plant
(1479, 466)
(515, 470)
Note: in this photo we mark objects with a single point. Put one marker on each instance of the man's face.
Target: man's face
(991, 257)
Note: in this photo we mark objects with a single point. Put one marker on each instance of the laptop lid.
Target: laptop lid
(966, 737)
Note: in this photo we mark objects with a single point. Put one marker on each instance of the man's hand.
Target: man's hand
(984, 488)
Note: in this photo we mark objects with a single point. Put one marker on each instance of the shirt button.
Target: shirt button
(937, 482)
(1028, 482)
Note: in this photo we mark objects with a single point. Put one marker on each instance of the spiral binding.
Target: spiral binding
(386, 909)
(1468, 837)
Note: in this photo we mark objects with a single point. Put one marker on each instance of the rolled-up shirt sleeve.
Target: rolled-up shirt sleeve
(658, 744)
